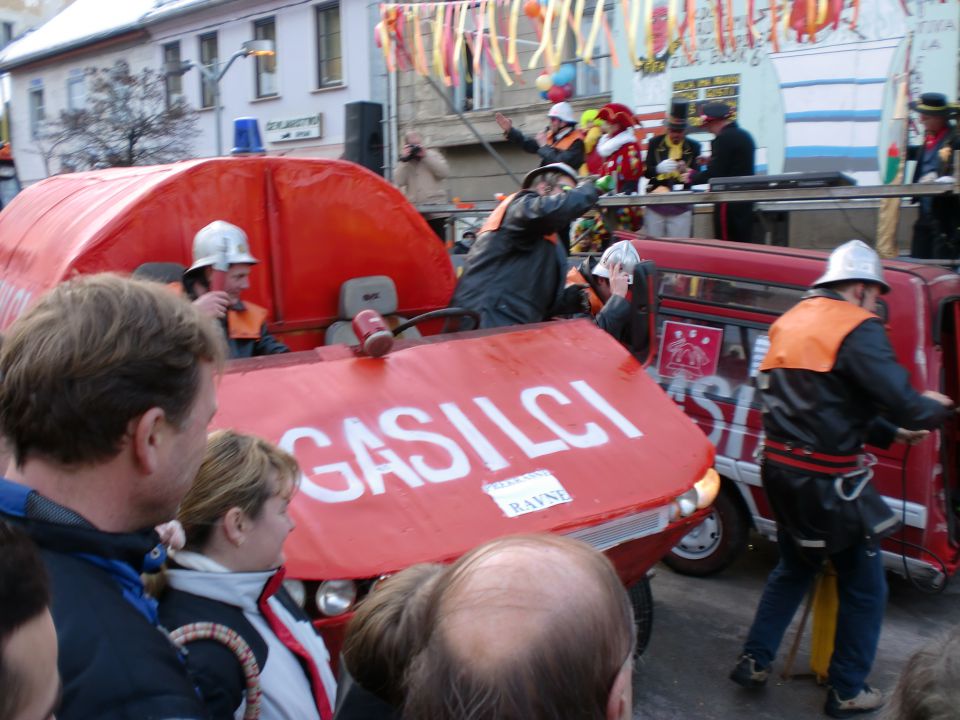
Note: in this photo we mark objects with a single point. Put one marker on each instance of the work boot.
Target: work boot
(748, 674)
(867, 700)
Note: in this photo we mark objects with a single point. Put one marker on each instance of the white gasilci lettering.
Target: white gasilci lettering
(308, 484)
(492, 459)
(593, 434)
(459, 464)
(530, 448)
(610, 412)
(361, 441)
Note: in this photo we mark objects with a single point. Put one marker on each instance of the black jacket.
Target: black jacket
(731, 155)
(658, 151)
(513, 275)
(572, 156)
(115, 662)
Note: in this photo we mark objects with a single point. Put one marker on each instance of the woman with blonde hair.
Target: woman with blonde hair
(230, 572)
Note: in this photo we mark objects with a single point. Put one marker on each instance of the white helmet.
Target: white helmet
(562, 111)
(621, 253)
(854, 260)
(220, 242)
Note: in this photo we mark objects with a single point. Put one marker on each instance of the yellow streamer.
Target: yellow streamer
(577, 24)
(594, 31)
(562, 29)
(512, 38)
(477, 36)
(730, 31)
(648, 27)
(438, 43)
(421, 58)
(545, 46)
(495, 43)
(821, 12)
(671, 21)
(631, 17)
(785, 21)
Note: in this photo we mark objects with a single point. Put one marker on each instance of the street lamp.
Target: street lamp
(214, 73)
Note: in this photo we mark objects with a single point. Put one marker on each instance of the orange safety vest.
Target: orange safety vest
(808, 336)
(575, 277)
(495, 219)
(566, 141)
(241, 324)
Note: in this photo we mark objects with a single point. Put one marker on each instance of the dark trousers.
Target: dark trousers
(862, 587)
(733, 221)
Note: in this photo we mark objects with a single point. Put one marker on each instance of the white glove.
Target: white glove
(666, 167)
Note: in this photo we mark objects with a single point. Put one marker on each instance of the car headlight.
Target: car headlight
(297, 591)
(335, 597)
(701, 495)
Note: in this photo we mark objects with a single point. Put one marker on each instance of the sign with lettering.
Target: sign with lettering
(297, 128)
(528, 493)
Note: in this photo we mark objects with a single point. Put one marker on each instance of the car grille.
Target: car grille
(623, 529)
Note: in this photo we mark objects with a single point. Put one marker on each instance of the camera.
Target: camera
(415, 152)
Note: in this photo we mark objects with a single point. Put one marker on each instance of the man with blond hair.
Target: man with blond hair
(528, 627)
(108, 388)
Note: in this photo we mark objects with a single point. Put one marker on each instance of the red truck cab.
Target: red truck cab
(717, 301)
(447, 441)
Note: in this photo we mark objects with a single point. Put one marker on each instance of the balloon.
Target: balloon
(564, 74)
(531, 9)
(543, 94)
(543, 2)
(543, 82)
(567, 91)
(555, 94)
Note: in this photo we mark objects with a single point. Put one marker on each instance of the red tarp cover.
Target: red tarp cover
(359, 424)
(312, 223)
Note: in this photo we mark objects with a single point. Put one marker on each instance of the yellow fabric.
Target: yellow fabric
(825, 606)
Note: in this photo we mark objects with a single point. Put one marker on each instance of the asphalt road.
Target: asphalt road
(699, 625)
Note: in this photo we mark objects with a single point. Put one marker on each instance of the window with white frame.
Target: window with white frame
(76, 90)
(6, 33)
(594, 79)
(209, 57)
(470, 92)
(266, 65)
(329, 52)
(37, 113)
(174, 80)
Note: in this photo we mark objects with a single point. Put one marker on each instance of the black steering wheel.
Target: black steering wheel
(450, 312)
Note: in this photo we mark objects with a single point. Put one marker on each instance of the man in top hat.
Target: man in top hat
(732, 154)
(935, 231)
(669, 157)
(560, 142)
(514, 272)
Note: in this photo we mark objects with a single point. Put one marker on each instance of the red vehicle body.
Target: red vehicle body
(732, 293)
(447, 441)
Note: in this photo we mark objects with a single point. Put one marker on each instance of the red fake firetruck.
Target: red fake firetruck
(717, 301)
(447, 441)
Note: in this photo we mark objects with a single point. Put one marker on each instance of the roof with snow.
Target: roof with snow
(85, 22)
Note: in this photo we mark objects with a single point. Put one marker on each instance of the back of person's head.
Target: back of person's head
(28, 649)
(92, 355)
(929, 688)
(531, 627)
(387, 630)
(236, 471)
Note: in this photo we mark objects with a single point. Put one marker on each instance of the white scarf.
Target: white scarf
(609, 144)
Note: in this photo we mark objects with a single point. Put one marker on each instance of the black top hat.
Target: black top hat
(931, 104)
(715, 111)
(678, 114)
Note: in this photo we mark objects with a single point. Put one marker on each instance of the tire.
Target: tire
(713, 544)
(642, 600)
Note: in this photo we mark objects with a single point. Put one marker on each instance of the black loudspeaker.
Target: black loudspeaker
(363, 134)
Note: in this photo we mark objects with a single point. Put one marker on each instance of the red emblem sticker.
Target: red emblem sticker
(688, 350)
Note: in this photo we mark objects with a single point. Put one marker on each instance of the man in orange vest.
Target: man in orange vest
(606, 286)
(830, 383)
(221, 247)
(560, 142)
(514, 272)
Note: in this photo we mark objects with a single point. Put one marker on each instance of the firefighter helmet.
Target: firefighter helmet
(852, 261)
(220, 242)
(558, 167)
(621, 253)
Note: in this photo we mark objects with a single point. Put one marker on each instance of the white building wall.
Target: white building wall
(298, 95)
(52, 76)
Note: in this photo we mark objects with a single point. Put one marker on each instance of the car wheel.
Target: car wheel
(713, 544)
(642, 600)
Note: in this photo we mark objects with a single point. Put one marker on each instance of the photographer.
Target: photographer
(420, 174)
